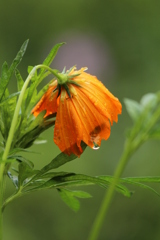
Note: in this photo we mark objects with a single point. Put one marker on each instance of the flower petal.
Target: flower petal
(95, 126)
(100, 96)
(84, 113)
(48, 102)
(67, 132)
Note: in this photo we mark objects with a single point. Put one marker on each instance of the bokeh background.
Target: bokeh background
(119, 41)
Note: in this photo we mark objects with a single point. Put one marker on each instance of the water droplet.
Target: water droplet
(96, 146)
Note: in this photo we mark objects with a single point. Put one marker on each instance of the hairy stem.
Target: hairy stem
(11, 198)
(109, 195)
(136, 138)
(9, 143)
(8, 146)
(2, 168)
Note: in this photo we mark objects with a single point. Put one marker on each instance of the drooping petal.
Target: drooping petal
(85, 110)
(94, 109)
(95, 126)
(48, 102)
(78, 120)
(67, 132)
(100, 96)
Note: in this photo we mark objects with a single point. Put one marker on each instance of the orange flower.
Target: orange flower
(85, 110)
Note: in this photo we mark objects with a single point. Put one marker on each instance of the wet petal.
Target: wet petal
(48, 102)
(67, 132)
(85, 113)
(100, 96)
(95, 126)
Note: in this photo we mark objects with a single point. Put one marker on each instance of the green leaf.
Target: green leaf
(9, 97)
(69, 199)
(14, 169)
(9, 160)
(60, 160)
(32, 96)
(105, 182)
(37, 121)
(29, 185)
(4, 79)
(155, 132)
(54, 182)
(71, 179)
(147, 179)
(50, 57)
(148, 99)
(16, 150)
(7, 73)
(25, 172)
(20, 81)
(24, 160)
(79, 194)
(32, 93)
(7, 111)
(137, 181)
(132, 181)
(54, 174)
(134, 109)
(27, 136)
(19, 56)
(4, 74)
(14, 179)
(41, 92)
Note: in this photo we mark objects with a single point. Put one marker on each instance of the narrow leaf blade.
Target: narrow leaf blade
(18, 57)
(6, 74)
(59, 160)
(134, 109)
(69, 199)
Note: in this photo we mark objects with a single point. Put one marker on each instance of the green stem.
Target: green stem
(53, 71)
(11, 198)
(109, 195)
(135, 141)
(8, 146)
(2, 167)
(10, 138)
(16, 113)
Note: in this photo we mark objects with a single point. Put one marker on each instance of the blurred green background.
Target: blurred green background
(119, 41)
